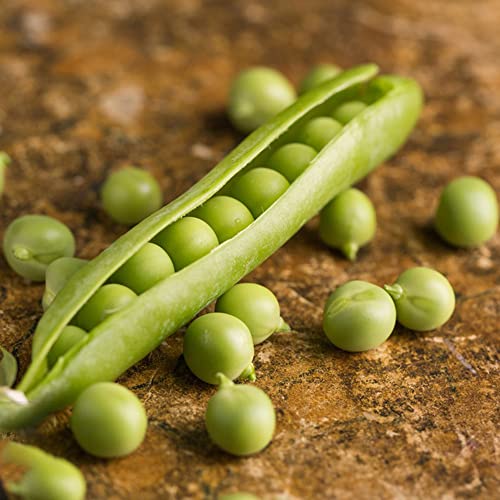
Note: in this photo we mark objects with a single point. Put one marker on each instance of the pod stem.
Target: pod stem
(350, 250)
(283, 326)
(395, 291)
(248, 373)
(22, 253)
(223, 380)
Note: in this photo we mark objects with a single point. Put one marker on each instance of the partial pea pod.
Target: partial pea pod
(127, 336)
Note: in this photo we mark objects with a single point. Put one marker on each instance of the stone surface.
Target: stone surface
(88, 86)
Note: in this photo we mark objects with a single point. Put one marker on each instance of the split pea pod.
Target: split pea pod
(128, 335)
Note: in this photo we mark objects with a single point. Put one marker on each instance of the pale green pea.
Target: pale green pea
(348, 110)
(291, 159)
(70, 336)
(4, 162)
(318, 132)
(318, 75)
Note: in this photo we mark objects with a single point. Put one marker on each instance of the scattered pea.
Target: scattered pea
(318, 75)
(4, 162)
(70, 336)
(319, 131)
(467, 214)
(292, 159)
(32, 242)
(348, 110)
(424, 298)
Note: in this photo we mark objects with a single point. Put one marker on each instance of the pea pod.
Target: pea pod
(124, 338)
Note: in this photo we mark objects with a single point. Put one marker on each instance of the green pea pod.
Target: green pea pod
(8, 368)
(130, 334)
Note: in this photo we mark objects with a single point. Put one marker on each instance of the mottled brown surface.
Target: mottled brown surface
(86, 86)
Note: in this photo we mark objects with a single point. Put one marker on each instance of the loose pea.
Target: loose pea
(358, 316)
(108, 420)
(348, 222)
(108, 300)
(292, 159)
(256, 95)
(240, 419)
(467, 214)
(259, 188)
(130, 195)
(424, 298)
(57, 275)
(4, 161)
(70, 336)
(319, 131)
(256, 306)
(147, 267)
(318, 75)
(187, 240)
(218, 342)
(225, 215)
(348, 110)
(32, 242)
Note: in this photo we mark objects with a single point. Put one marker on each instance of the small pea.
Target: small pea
(318, 75)
(292, 159)
(359, 316)
(69, 337)
(259, 188)
(108, 300)
(46, 478)
(143, 270)
(257, 95)
(4, 162)
(225, 215)
(240, 419)
(256, 306)
(424, 298)
(348, 110)
(467, 215)
(57, 275)
(108, 420)
(348, 222)
(318, 132)
(32, 242)
(131, 194)
(218, 342)
(186, 241)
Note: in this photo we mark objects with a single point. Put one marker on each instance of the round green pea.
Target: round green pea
(256, 95)
(467, 214)
(108, 420)
(318, 132)
(130, 195)
(225, 215)
(57, 275)
(348, 110)
(32, 242)
(424, 298)
(240, 419)
(318, 75)
(143, 270)
(358, 316)
(291, 159)
(238, 496)
(348, 222)
(259, 188)
(218, 342)
(187, 240)
(69, 337)
(4, 161)
(108, 300)
(256, 306)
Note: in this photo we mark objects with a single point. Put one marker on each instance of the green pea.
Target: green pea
(108, 300)
(187, 240)
(318, 132)
(358, 316)
(348, 110)
(467, 215)
(424, 298)
(4, 161)
(225, 215)
(57, 275)
(143, 270)
(238, 496)
(259, 188)
(348, 222)
(292, 159)
(256, 306)
(240, 419)
(218, 342)
(256, 95)
(32, 242)
(70, 336)
(108, 420)
(318, 75)
(130, 195)
(46, 478)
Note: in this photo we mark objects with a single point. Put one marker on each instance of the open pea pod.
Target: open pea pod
(127, 336)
